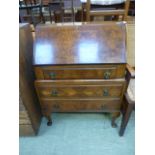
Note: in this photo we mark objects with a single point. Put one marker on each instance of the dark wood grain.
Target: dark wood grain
(79, 88)
(80, 68)
(80, 44)
(127, 108)
(30, 114)
(80, 72)
(128, 103)
(81, 105)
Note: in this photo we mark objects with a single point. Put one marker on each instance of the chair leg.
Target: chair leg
(62, 15)
(41, 15)
(82, 13)
(33, 18)
(125, 119)
(50, 14)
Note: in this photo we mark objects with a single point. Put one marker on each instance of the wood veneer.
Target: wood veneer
(80, 68)
(29, 108)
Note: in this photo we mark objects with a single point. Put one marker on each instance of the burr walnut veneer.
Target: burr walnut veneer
(80, 68)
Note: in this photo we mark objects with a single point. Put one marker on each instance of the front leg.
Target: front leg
(49, 123)
(115, 115)
(47, 114)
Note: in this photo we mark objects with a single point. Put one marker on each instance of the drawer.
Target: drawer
(80, 72)
(81, 105)
(79, 88)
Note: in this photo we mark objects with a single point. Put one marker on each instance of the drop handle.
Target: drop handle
(105, 92)
(56, 106)
(103, 107)
(107, 75)
(54, 93)
(53, 75)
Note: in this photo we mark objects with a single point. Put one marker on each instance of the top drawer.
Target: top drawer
(80, 72)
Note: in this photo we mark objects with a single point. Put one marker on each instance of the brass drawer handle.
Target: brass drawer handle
(103, 107)
(54, 93)
(107, 75)
(105, 92)
(53, 75)
(56, 106)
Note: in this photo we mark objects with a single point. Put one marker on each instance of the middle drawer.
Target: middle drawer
(79, 88)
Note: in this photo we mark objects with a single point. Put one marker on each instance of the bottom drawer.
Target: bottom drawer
(83, 105)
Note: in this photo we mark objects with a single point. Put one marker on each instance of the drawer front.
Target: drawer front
(85, 105)
(80, 72)
(81, 91)
(77, 88)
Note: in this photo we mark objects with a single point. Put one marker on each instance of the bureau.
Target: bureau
(80, 68)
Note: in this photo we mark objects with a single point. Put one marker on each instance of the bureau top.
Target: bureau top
(80, 44)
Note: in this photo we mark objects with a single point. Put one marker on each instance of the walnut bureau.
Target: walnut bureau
(80, 68)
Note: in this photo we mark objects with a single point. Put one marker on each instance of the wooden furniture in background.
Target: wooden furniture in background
(31, 10)
(110, 10)
(29, 108)
(80, 68)
(129, 96)
(129, 99)
(56, 7)
(64, 10)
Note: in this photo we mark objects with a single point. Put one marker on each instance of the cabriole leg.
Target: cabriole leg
(49, 123)
(114, 117)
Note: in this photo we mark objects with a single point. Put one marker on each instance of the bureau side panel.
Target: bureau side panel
(26, 77)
